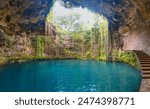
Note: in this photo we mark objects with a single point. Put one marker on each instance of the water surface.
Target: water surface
(69, 76)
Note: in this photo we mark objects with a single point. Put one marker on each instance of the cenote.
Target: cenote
(69, 76)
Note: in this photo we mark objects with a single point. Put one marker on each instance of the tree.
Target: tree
(86, 41)
(68, 23)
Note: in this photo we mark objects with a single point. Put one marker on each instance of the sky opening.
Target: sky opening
(86, 18)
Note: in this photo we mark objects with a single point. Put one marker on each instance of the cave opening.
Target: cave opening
(81, 32)
(40, 32)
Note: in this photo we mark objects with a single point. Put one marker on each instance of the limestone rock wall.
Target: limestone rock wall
(130, 18)
(137, 41)
(23, 15)
(136, 27)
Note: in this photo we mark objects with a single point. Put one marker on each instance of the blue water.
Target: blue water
(69, 76)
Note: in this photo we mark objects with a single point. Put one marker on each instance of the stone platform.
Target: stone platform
(145, 86)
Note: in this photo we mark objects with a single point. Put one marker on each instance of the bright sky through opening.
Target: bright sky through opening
(87, 18)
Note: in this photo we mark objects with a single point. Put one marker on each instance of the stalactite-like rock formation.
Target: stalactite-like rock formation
(50, 30)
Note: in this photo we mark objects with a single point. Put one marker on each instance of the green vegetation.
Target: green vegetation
(85, 43)
(39, 43)
(92, 42)
(40, 47)
(3, 59)
(128, 57)
(69, 37)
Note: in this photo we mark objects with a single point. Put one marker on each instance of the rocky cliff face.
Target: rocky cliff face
(136, 27)
(129, 18)
(23, 15)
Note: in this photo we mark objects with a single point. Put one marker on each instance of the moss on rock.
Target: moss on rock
(128, 57)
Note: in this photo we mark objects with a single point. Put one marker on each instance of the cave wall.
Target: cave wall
(137, 41)
(17, 16)
(136, 27)
(130, 18)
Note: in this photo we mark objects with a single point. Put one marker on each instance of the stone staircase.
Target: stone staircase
(144, 61)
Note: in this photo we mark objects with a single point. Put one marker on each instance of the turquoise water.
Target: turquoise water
(69, 76)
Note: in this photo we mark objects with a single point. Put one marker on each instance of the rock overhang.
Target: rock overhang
(29, 15)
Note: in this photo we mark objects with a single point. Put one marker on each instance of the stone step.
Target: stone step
(146, 72)
(144, 59)
(144, 63)
(142, 55)
(140, 58)
(145, 67)
(146, 76)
